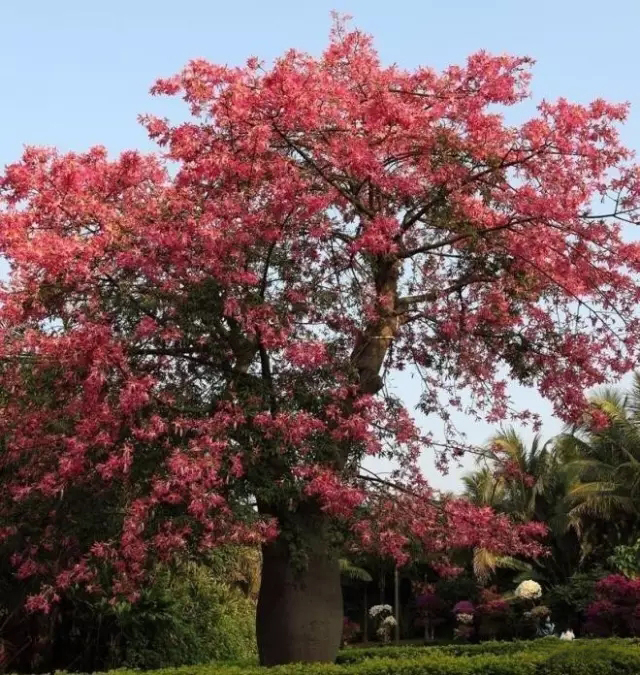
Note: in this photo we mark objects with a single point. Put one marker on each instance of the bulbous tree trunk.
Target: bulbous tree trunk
(300, 613)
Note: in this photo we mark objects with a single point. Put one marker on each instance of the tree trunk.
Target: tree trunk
(396, 602)
(299, 615)
(365, 623)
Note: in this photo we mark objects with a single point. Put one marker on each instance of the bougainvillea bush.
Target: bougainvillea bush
(194, 345)
(495, 615)
(616, 609)
(350, 631)
(431, 611)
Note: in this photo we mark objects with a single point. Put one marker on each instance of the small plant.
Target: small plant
(383, 616)
(464, 607)
(350, 631)
(464, 612)
(431, 612)
(493, 614)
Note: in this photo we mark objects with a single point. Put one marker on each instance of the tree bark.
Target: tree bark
(365, 623)
(396, 603)
(300, 613)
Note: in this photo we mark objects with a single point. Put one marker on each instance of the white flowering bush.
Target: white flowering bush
(378, 610)
(383, 616)
(529, 590)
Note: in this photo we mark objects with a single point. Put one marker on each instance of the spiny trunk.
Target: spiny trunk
(299, 616)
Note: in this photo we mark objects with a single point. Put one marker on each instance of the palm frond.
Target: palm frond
(485, 563)
(353, 572)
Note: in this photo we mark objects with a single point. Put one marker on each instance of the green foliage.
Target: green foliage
(604, 500)
(457, 589)
(626, 559)
(568, 602)
(352, 572)
(529, 483)
(548, 656)
(593, 659)
(189, 615)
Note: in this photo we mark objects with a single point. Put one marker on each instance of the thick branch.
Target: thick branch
(267, 376)
(459, 237)
(410, 300)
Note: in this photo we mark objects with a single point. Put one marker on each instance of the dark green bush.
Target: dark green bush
(548, 656)
(188, 615)
(458, 589)
(593, 659)
(568, 602)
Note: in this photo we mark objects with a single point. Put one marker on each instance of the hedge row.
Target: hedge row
(541, 657)
(357, 654)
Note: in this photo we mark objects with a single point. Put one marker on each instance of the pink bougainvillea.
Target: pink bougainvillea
(616, 609)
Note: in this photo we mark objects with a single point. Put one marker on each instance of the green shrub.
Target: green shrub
(463, 649)
(548, 656)
(593, 659)
(539, 657)
(458, 589)
(192, 614)
(568, 602)
(189, 617)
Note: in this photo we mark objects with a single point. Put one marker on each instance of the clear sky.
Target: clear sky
(76, 73)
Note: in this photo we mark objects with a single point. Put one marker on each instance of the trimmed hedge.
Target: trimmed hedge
(547, 656)
(356, 655)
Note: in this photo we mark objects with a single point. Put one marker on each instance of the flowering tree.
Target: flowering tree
(196, 345)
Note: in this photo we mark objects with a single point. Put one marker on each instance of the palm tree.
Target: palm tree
(533, 489)
(531, 465)
(604, 498)
(484, 488)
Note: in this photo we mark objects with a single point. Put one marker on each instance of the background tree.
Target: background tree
(530, 484)
(205, 349)
(604, 499)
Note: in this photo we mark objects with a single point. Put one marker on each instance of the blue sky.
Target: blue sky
(77, 73)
